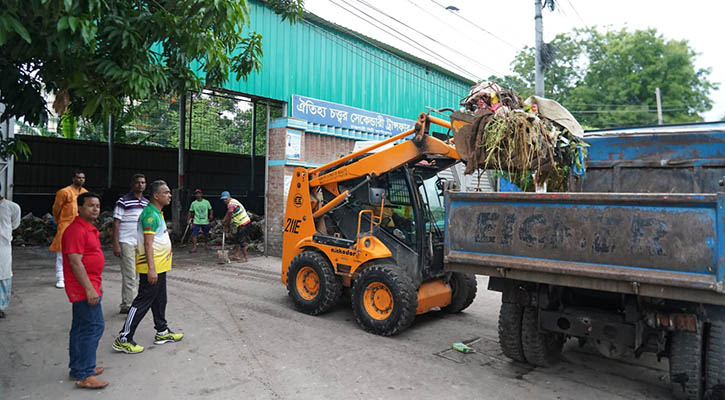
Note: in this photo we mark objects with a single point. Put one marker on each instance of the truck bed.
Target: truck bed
(660, 245)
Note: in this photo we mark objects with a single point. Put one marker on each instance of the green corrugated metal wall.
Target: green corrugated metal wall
(315, 61)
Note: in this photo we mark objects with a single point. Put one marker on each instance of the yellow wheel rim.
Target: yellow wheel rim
(308, 283)
(378, 301)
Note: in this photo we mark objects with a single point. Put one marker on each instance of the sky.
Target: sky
(483, 37)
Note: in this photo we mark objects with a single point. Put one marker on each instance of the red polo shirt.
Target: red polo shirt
(82, 238)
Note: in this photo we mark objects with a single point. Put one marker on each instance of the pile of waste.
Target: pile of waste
(497, 129)
(34, 231)
(255, 233)
(104, 224)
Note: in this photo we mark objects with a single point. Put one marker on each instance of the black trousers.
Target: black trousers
(149, 297)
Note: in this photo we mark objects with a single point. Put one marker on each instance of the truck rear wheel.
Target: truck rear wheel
(715, 364)
(509, 331)
(384, 300)
(686, 364)
(312, 283)
(540, 348)
(463, 288)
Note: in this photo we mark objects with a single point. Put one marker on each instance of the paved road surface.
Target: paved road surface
(244, 340)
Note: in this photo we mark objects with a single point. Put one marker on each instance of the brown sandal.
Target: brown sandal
(91, 383)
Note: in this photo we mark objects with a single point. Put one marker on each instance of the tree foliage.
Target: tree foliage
(97, 55)
(609, 79)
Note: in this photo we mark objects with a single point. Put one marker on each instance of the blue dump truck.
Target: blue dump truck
(631, 261)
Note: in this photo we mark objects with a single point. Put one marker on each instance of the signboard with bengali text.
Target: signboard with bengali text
(345, 117)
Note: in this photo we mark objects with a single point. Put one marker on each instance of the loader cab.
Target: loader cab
(412, 222)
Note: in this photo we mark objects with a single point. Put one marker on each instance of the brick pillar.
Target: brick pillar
(277, 185)
(315, 149)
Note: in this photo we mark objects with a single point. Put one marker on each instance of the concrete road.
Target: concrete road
(243, 340)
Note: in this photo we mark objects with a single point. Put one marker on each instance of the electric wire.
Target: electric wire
(429, 37)
(626, 111)
(577, 14)
(407, 39)
(406, 73)
(455, 28)
(502, 40)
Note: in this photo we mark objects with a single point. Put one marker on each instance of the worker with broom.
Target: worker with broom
(239, 220)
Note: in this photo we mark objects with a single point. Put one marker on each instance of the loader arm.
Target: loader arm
(388, 159)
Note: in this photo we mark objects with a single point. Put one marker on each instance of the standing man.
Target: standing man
(65, 210)
(239, 219)
(125, 228)
(200, 213)
(83, 263)
(9, 221)
(153, 260)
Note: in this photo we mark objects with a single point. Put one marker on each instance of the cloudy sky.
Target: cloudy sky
(484, 36)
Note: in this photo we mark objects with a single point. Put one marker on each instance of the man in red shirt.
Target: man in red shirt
(83, 264)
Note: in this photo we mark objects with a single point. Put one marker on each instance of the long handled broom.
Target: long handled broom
(223, 255)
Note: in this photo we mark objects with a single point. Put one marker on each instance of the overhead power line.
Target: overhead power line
(429, 37)
(577, 13)
(404, 73)
(405, 38)
(499, 38)
(626, 111)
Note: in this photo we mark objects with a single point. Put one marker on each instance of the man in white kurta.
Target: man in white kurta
(9, 220)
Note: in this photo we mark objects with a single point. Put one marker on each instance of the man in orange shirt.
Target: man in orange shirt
(65, 210)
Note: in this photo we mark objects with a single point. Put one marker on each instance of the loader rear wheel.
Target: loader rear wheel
(540, 348)
(509, 331)
(715, 361)
(384, 300)
(686, 364)
(463, 288)
(312, 283)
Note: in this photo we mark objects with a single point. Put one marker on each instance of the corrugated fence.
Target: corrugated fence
(53, 160)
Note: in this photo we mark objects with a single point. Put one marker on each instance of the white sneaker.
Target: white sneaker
(60, 284)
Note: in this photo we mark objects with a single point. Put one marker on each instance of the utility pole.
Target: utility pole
(659, 106)
(539, 84)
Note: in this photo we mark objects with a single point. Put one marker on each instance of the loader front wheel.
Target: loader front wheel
(384, 300)
(312, 283)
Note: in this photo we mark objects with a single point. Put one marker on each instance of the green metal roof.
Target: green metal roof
(319, 59)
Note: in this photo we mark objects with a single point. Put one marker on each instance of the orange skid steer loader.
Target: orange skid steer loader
(372, 222)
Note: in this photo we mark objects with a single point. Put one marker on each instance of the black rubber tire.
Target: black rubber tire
(715, 361)
(686, 367)
(464, 288)
(405, 299)
(330, 286)
(540, 348)
(509, 331)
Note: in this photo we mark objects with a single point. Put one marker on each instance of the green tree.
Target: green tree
(609, 79)
(96, 55)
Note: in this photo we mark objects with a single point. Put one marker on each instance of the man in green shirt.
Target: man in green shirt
(153, 261)
(200, 213)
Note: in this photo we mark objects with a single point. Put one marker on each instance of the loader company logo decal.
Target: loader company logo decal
(298, 200)
(292, 225)
(351, 253)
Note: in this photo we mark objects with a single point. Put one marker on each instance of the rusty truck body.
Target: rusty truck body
(633, 261)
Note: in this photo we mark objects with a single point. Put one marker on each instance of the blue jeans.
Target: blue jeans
(85, 332)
